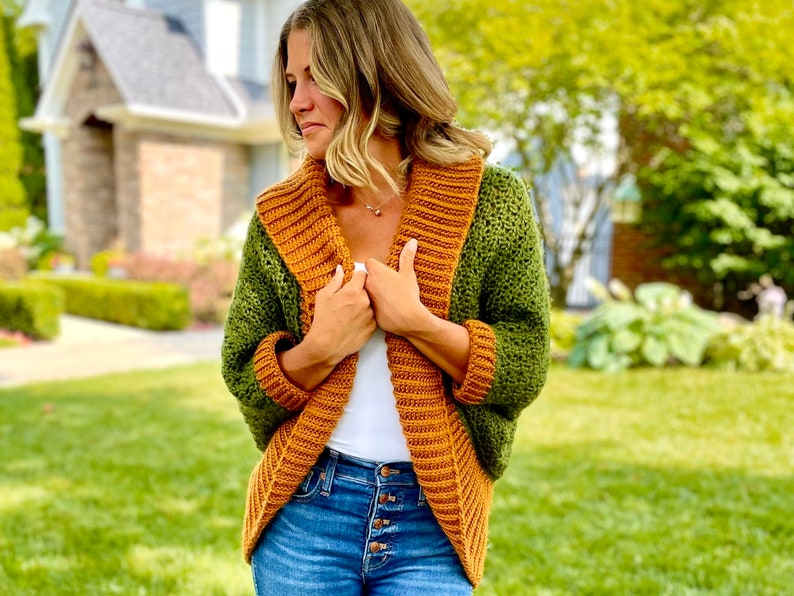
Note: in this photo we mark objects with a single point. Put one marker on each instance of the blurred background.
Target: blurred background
(655, 137)
(656, 141)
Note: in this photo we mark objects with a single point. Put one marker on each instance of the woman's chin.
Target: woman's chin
(317, 153)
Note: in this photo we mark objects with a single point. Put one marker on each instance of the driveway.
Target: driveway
(87, 347)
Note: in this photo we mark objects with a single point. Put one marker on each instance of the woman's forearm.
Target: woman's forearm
(444, 343)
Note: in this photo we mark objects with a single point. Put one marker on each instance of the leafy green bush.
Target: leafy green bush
(13, 207)
(102, 262)
(33, 240)
(661, 327)
(563, 332)
(156, 306)
(210, 283)
(31, 308)
(765, 344)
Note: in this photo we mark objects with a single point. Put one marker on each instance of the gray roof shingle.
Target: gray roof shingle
(153, 60)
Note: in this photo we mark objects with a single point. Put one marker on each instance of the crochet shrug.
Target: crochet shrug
(479, 264)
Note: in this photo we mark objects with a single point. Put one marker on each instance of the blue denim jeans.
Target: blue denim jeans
(357, 527)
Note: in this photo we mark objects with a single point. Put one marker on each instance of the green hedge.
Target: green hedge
(32, 308)
(149, 305)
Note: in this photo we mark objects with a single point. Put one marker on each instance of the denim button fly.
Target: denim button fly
(372, 524)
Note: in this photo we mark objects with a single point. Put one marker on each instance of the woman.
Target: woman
(390, 321)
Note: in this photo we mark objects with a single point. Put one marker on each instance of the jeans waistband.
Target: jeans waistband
(335, 463)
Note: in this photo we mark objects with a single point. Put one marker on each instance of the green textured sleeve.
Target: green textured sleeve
(516, 304)
(501, 295)
(257, 312)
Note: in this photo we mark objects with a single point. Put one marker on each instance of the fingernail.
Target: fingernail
(412, 244)
(338, 270)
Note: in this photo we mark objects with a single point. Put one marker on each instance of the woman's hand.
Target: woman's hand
(398, 309)
(343, 318)
(395, 294)
(343, 322)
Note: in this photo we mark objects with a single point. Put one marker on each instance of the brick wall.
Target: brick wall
(636, 261)
(139, 190)
(128, 189)
(188, 190)
(88, 175)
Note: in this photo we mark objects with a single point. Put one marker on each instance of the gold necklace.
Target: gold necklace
(376, 209)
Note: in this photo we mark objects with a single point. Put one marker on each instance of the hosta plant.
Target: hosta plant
(765, 344)
(656, 326)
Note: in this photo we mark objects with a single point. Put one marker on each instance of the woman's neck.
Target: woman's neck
(388, 152)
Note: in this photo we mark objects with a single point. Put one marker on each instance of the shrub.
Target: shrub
(33, 240)
(210, 284)
(563, 332)
(149, 305)
(211, 291)
(31, 308)
(102, 263)
(765, 344)
(661, 327)
(13, 203)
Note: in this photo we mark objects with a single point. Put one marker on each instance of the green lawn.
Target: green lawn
(649, 482)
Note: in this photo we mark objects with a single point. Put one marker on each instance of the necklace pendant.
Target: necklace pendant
(377, 212)
(374, 210)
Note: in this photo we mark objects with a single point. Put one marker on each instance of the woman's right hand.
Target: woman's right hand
(343, 322)
(343, 317)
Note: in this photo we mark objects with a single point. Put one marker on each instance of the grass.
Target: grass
(648, 482)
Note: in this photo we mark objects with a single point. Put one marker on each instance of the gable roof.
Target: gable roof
(152, 59)
(159, 72)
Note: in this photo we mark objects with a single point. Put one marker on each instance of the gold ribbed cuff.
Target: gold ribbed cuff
(270, 376)
(482, 364)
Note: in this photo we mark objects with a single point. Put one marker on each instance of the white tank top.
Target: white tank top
(370, 426)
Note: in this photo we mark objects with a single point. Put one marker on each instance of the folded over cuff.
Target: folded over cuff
(270, 376)
(482, 364)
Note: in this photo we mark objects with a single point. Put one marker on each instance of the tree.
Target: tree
(546, 76)
(13, 208)
(718, 171)
(517, 70)
(23, 59)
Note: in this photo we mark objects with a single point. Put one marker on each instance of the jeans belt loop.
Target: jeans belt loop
(330, 468)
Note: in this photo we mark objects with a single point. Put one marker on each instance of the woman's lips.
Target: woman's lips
(310, 126)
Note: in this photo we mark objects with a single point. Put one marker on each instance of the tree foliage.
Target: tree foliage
(13, 209)
(23, 62)
(700, 91)
(519, 70)
(720, 181)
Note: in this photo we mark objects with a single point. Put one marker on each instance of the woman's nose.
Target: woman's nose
(301, 101)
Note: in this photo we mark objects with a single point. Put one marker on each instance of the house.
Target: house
(156, 115)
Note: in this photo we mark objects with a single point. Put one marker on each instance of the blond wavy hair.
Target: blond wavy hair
(373, 57)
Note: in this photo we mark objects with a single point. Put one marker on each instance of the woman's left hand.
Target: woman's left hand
(394, 295)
